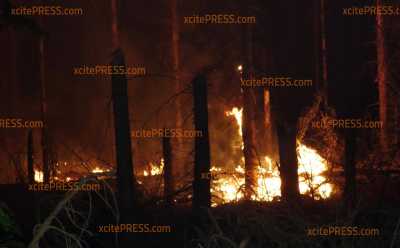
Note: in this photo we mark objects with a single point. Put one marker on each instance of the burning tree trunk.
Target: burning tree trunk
(168, 171)
(201, 185)
(249, 127)
(288, 161)
(121, 124)
(31, 173)
(350, 170)
(382, 79)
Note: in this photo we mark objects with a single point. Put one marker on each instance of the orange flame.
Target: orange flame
(228, 188)
(38, 176)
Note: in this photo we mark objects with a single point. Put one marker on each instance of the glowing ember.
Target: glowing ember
(154, 169)
(38, 176)
(97, 170)
(228, 187)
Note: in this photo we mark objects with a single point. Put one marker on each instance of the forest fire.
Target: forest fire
(228, 187)
(67, 176)
(154, 169)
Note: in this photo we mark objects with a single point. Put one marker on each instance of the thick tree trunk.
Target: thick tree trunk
(31, 172)
(288, 162)
(122, 138)
(382, 79)
(249, 126)
(249, 144)
(201, 184)
(123, 145)
(168, 171)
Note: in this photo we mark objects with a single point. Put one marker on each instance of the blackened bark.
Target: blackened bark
(249, 117)
(168, 171)
(249, 148)
(122, 138)
(350, 170)
(31, 173)
(288, 162)
(201, 185)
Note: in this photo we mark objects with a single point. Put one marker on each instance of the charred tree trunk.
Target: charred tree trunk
(249, 144)
(288, 162)
(382, 79)
(201, 184)
(350, 170)
(122, 137)
(123, 145)
(168, 171)
(249, 127)
(31, 172)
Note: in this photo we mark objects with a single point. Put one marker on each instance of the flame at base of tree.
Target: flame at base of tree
(229, 186)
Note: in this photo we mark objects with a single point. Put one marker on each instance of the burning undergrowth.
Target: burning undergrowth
(227, 173)
(228, 179)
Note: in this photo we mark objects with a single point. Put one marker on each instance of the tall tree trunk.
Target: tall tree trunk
(268, 124)
(288, 161)
(201, 185)
(168, 171)
(31, 172)
(178, 158)
(320, 61)
(249, 127)
(249, 144)
(121, 125)
(44, 141)
(382, 79)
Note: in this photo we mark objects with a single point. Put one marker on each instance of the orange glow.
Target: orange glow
(228, 187)
(155, 169)
(98, 170)
(38, 176)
